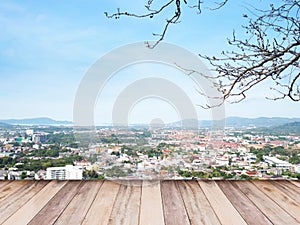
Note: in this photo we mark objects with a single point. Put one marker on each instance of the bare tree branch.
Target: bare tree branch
(219, 5)
(176, 4)
(271, 52)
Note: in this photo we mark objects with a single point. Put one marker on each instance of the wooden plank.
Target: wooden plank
(10, 188)
(296, 183)
(16, 191)
(75, 212)
(250, 213)
(151, 204)
(174, 208)
(293, 186)
(102, 206)
(52, 210)
(18, 199)
(283, 200)
(223, 208)
(35, 204)
(3, 183)
(288, 188)
(196, 204)
(290, 185)
(127, 205)
(268, 207)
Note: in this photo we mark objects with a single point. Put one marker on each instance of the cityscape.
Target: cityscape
(150, 112)
(44, 152)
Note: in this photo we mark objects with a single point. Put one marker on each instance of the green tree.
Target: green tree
(23, 175)
(246, 177)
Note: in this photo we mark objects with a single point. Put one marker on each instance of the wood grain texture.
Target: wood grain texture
(16, 201)
(290, 185)
(296, 183)
(127, 205)
(272, 210)
(174, 209)
(286, 203)
(22, 186)
(75, 212)
(196, 204)
(7, 190)
(57, 204)
(35, 204)
(242, 204)
(151, 204)
(288, 188)
(221, 205)
(103, 204)
(3, 183)
(162, 202)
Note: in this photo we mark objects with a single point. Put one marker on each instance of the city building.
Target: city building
(68, 172)
(277, 162)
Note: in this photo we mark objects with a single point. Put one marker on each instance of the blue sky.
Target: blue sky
(46, 47)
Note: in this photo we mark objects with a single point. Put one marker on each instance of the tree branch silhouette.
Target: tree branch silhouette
(270, 51)
(173, 19)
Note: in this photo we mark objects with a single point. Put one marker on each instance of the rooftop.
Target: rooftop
(150, 202)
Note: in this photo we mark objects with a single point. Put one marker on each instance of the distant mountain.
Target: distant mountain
(285, 129)
(3, 125)
(240, 122)
(188, 123)
(259, 122)
(237, 122)
(35, 121)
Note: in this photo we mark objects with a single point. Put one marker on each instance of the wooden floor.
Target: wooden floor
(145, 202)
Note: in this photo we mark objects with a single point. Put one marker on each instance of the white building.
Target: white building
(278, 163)
(295, 168)
(36, 138)
(68, 172)
(29, 132)
(222, 161)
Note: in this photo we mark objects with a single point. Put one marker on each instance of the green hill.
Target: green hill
(285, 129)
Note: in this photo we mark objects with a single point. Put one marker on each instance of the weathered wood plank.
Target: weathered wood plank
(243, 205)
(272, 210)
(151, 204)
(3, 183)
(75, 212)
(290, 185)
(52, 210)
(103, 204)
(197, 206)
(17, 191)
(174, 208)
(35, 204)
(172, 202)
(221, 205)
(288, 188)
(127, 205)
(296, 183)
(18, 199)
(283, 200)
(10, 188)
